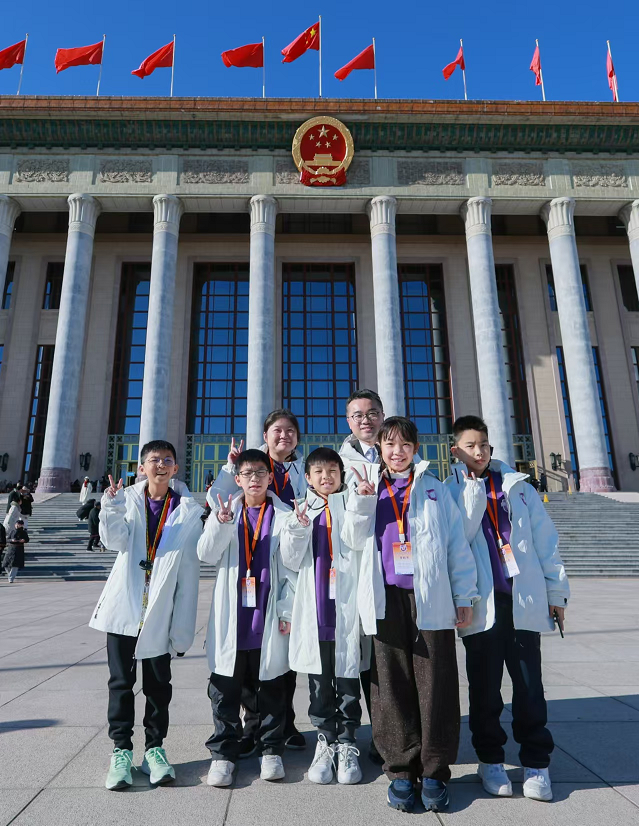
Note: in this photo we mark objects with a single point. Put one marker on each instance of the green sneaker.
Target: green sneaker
(157, 767)
(119, 776)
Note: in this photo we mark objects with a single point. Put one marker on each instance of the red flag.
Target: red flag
(612, 78)
(535, 66)
(251, 56)
(364, 60)
(82, 56)
(162, 59)
(458, 61)
(12, 55)
(310, 39)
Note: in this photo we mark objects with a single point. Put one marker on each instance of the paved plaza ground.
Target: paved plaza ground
(54, 749)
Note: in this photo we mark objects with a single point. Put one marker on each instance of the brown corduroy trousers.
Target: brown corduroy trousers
(414, 693)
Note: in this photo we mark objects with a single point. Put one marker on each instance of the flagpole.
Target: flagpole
(263, 70)
(614, 77)
(97, 94)
(321, 37)
(24, 54)
(375, 68)
(541, 74)
(173, 66)
(461, 43)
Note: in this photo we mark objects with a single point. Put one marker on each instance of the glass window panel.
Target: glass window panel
(38, 416)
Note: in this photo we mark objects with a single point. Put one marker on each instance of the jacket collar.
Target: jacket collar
(316, 502)
(509, 477)
(292, 458)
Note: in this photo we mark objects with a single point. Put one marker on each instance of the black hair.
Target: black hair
(371, 395)
(282, 413)
(398, 425)
(19, 521)
(323, 456)
(156, 444)
(464, 423)
(252, 456)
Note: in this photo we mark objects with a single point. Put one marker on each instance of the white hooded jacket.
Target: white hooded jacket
(226, 485)
(541, 580)
(297, 554)
(445, 577)
(220, 545)
(169, 622)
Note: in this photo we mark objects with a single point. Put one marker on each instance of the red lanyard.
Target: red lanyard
(249, 550)
(284, 483)
(400, 519)
(492, 504)
(151, 547)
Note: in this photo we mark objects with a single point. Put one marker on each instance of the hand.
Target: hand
(302, 518)
(364, 487)
(285, 627)
(113, 488)
(225, 513)
(235, 450)
(464, 616)
(472, 476)
(560, 614)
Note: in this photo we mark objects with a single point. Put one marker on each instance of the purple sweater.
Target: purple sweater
(286, 493)
(387, 532)
(505, 586)
(154, 510)
(322, 558)
(250, 621)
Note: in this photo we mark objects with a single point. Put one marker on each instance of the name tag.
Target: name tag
(508, 561)
(332, 583)
(248, 592)
(403, 558)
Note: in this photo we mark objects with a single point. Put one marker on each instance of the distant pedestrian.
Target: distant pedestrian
(3, 545)
(543, 483)
(14, 557)
(14, 495)
(94, 527)
(85, 490)
(26, 505)
(12, 516)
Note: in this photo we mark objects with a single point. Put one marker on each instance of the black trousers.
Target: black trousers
(335, 708)
(251, 714)
(414, 693)
(156, 685)
(520, 651)
(94, 540)
(225, 694)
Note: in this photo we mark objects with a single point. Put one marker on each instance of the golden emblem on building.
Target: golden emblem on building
(323, 150)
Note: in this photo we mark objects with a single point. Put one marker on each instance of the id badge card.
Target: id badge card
(332, 583)
(248, 592)
(508, 561)
(403, 558)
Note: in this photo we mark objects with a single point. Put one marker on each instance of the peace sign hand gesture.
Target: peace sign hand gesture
(225, 513)
(113, 488)
(302, 518)
(364, 487)
(235, 450)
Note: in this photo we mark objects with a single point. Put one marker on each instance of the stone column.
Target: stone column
(388, 323)
(260, 394)
(630, 216)
(491, 368)
(9, 211)
(167, 211)
(587, 422)
(68, 357)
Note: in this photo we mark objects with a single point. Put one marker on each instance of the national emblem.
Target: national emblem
(328, 167)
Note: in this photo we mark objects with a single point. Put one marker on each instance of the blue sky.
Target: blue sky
(414, 41)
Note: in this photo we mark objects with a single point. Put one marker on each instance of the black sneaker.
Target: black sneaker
(401, 795)
(295, 741)
(248, 747)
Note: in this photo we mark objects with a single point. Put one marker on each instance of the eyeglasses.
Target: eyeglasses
(371, 416)
(157, 462)
(249, 474)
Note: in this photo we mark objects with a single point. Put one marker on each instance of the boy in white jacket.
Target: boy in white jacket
(325, 633)
(148, 604)
(524, 590)
(250, 617)
(417, 583)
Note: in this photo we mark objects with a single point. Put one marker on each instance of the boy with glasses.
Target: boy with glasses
(148, 604)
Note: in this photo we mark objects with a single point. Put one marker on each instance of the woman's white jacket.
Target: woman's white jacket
(541, 580)
(220, 545)
(445, 577)
(169, 622)
(297, 554)
(226, 485)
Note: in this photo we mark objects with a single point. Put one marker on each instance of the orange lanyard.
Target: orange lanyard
(151, 547)
(284, 483)
(249, 550)
(492, 508)
(329, 527)
(400, 519)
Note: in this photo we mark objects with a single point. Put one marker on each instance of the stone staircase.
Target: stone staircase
(598, 537)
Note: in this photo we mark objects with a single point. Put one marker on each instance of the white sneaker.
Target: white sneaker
(272, 767)
(220, 773)
(494, 779)
(321, 770)
(348, 770)
(537, 784)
